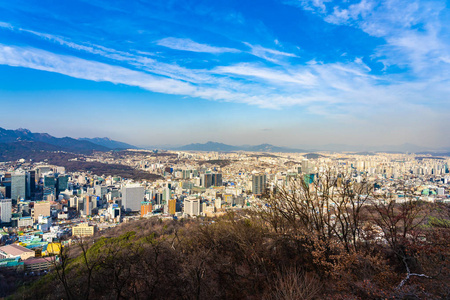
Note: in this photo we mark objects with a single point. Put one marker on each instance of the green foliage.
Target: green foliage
(439, 222)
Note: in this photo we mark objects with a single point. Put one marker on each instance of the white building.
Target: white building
(132, 196)
(192, 207)
(5, 210)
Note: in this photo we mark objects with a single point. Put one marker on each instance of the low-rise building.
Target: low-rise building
(83, 229)
(13, 251)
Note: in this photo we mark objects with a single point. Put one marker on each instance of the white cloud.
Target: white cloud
(83, 69)
(331, 87)
(190, 45)
(142, 60)
(268, 54)
(353, 12)
(303, 78)
(6, 25)
(415, 32)
(310, 4)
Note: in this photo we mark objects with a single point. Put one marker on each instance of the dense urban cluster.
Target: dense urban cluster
(44, 208)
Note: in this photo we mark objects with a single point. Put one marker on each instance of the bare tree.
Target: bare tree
(330, 207)
(61, 269)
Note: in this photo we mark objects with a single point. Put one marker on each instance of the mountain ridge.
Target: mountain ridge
(221, 147)
(108, 143)
(22, 143)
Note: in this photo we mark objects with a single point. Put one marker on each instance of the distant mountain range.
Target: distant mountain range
(406, 147)
(220, 147)
(108, 143)
(22, 143)
(64, 144)
(361, 150)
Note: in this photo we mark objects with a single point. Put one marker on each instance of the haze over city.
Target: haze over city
(205, 149)
(289, 73)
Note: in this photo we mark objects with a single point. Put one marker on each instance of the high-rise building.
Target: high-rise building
(6, 182)
(192, 207)
(101, 191)
(309, 178)
(49, 185)
(258, 184)
(41, 208)
(146, 208)
(186, 174)
(158, 198)
(62, 183)
(88, 205)
(307, 166)
(228, 199)
(5, 210)
(240, 201)
(218, 203)
(206, 180)
(31, 185)
(172, 206)
(114, 211)
(132, 196)
(217, 179)
(41, 170)
(166, 194)
(18, 186)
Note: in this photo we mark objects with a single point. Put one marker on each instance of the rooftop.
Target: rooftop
(14, 249)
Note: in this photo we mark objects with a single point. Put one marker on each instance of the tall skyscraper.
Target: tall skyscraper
(87, 205)
(258, 183)
(132, 196)
(18, 186)
(31, 185)
(305, 166)
(146, 208)
(5, 210)
(217, 179)
(62, 183)
(166, 194)
(49, 185)
(158, 198)
(172, 206)
(206, 180)
(192, 207)
(6, 182)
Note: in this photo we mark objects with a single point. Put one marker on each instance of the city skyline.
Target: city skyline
(287, 73)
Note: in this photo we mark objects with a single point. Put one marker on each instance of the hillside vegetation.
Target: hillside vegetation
(293, 248)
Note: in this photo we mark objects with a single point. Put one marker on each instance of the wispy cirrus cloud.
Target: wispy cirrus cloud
(303, 78)
(334, 80)
(324, 87)
(139, 59)
(6, 25)
(38, 59)
(190, 45)
(268, 54)
(415, 32)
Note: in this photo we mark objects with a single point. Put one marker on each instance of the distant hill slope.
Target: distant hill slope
(22, 143)
(406, 147)
(70, 144)
(272, 148)
(220, 147)
(108, 143)
(209, 146)
(313, 156)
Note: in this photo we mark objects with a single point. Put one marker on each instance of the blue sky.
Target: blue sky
(291, 72)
